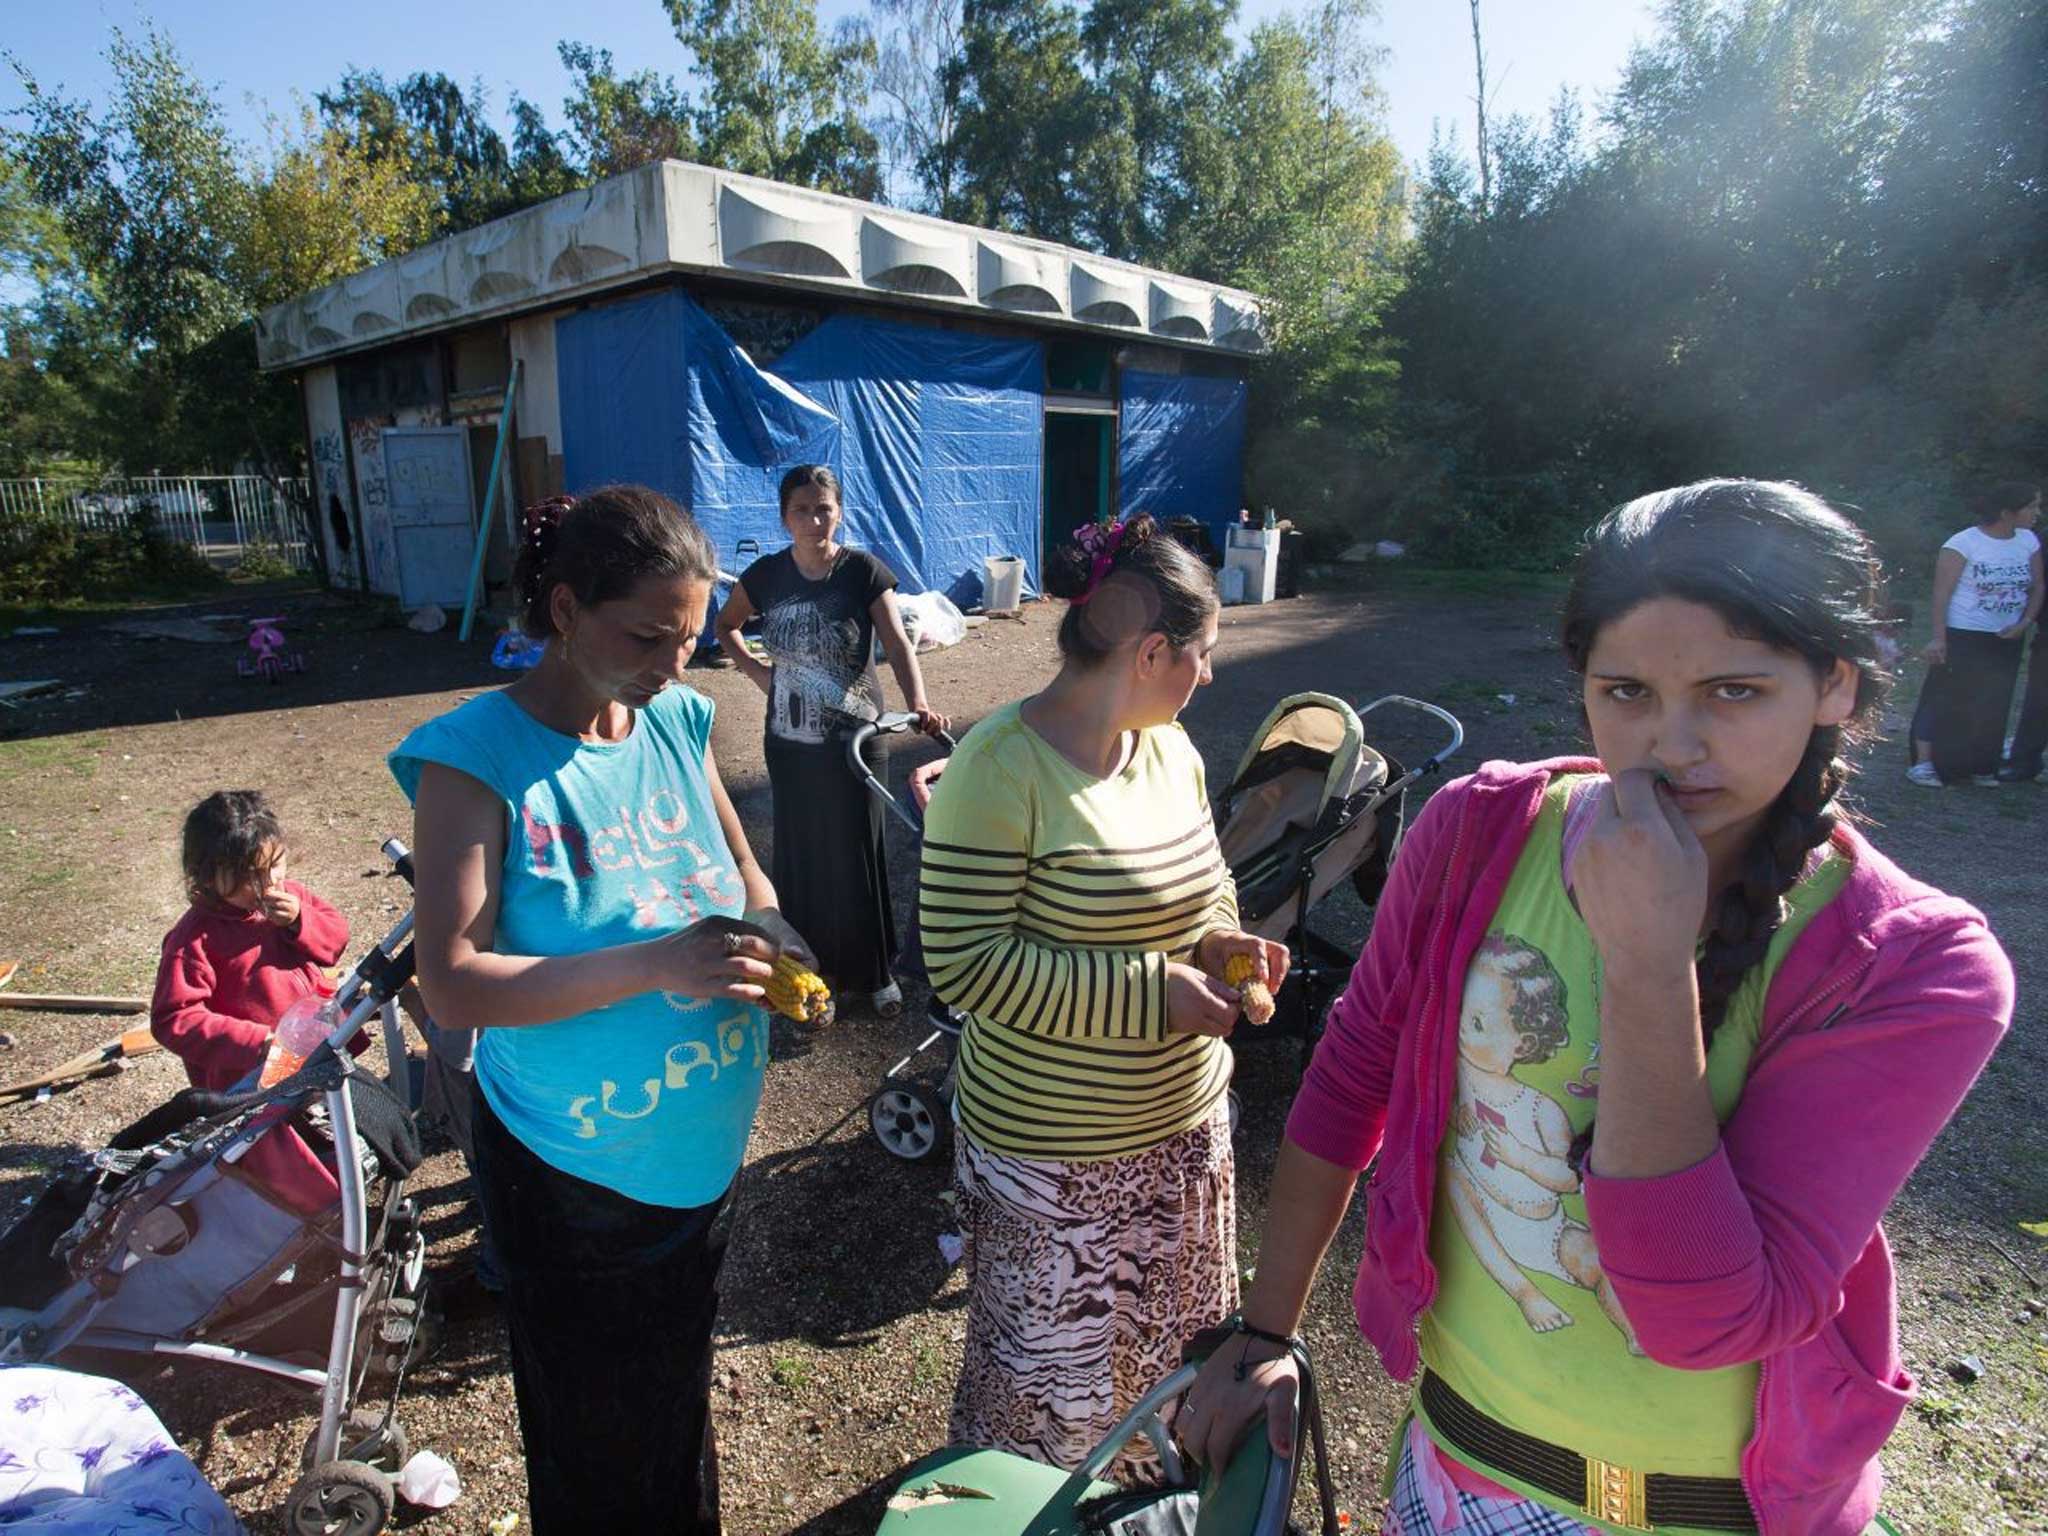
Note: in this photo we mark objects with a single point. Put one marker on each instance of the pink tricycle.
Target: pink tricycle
(268, 656)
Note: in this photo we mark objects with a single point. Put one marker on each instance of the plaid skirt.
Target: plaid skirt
(1084, 1281)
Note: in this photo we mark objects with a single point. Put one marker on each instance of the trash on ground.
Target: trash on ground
(930, 1494)
(1967, 1369)
(515, 652)
(428, 1481)
(429, 620)
(951, 1247)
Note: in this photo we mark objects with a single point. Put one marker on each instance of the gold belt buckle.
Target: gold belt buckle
(1615, 1494)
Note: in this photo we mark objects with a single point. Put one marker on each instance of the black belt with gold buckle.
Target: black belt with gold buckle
(1601, 1490)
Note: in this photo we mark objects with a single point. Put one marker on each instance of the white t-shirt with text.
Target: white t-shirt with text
(1997, 573)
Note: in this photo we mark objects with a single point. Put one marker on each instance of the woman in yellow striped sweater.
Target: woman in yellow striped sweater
(1076, 908)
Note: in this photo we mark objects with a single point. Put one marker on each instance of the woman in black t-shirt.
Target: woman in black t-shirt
(821, 606)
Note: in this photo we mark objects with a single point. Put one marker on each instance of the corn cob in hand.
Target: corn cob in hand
(796, 992)
(1242, 972)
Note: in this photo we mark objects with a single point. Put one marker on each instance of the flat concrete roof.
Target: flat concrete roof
(673, 216)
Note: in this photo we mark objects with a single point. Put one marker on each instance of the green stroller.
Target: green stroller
(961, 1491)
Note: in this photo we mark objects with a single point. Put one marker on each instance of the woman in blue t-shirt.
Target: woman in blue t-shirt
(577, 853)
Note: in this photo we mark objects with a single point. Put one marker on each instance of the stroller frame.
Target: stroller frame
(335, 1482)
(909, 1121)
(1318, 965)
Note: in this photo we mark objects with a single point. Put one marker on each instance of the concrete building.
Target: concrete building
(700, 331)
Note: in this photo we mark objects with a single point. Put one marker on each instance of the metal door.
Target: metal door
(433, 512)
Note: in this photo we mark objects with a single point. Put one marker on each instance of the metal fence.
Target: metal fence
(221, 516)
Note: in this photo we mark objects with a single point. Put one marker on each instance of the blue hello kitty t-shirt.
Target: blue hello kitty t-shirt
(610, 843)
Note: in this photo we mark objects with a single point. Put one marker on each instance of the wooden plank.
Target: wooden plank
(68, 1002)
(101, 1058)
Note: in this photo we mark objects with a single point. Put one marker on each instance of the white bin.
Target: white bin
(1002, 584)
(1256, 552)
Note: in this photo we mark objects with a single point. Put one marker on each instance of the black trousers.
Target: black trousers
(1973, 694)
(2031, 739)
(610, 1304)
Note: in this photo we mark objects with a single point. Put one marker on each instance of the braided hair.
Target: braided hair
(1123, 581)
(599, 545)
(1781, 566)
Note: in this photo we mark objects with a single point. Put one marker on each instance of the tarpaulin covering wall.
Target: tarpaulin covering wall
(942, 443)
(937, 436)
(1180, 449)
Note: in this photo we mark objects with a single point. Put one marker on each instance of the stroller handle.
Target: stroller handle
(893, 723)
(1450, 721)
(400, 857)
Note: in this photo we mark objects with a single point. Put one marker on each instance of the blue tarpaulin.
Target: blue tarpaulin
(1181, 447)
(936, 435)
(942, 445)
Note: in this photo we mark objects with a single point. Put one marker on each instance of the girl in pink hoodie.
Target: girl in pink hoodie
(1677, 1314)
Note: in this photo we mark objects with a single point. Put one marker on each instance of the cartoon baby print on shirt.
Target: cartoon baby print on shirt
(1509, 1177)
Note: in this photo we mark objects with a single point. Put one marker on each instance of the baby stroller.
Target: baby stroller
(962, 1491)
(1312, 804)
(160, 1245)
(909, 1117)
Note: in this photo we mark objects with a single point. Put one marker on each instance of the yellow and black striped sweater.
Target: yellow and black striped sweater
(1050, 902)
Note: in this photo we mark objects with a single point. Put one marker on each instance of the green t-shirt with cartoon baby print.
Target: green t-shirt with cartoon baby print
(1524, 1325)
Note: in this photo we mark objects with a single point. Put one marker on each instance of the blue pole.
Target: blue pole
(483, 527)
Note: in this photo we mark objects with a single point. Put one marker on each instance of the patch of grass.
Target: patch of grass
(1936, 1409)
(792, 1373)
(76, 755)
(927, 1368)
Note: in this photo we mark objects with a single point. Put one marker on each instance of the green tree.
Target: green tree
(1022, 113)
(321, 208)
(618, 122)
(1156, 86)
(778, 99)
(440, 134)
(917, 42)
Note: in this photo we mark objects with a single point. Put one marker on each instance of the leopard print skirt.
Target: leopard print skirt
(1084, 1280)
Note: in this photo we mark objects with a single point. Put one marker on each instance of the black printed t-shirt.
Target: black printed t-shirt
(821, 637)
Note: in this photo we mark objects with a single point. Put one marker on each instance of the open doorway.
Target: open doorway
(1080, 462)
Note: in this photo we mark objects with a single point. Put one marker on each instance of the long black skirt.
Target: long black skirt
(829, 867)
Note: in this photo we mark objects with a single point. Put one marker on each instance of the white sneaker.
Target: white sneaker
(1924, 775)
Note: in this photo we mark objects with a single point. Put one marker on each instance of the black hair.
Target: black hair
(803, 475)
(231, 834)
(1781, 566)
(2006, 496)
(600, 545)
(1154, 584)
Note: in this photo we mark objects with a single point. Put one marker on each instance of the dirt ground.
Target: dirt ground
(841, 1326)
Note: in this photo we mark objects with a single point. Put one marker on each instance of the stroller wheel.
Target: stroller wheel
(1234, 1107)
(366, 1438)
(340, 1498)
(907, 1121)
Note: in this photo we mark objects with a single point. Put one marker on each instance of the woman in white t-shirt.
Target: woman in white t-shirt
(1987, 590)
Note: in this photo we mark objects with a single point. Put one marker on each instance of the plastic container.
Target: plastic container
(1256, 552)
(299, 1033)
(1002, 584)
(1230, 585)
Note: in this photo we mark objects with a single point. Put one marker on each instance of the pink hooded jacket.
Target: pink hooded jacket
(1875, 1026)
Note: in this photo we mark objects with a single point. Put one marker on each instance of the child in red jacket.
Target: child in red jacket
(251, 944)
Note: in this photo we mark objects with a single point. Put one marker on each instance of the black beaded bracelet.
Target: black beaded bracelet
(1236, 1323)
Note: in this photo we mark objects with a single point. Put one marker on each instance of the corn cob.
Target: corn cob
(797, 993)
(1241, 972)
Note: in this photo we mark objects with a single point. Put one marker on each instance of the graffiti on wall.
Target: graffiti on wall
(330, 495)
(373, 497)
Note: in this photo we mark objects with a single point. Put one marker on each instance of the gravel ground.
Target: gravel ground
(841, 1328)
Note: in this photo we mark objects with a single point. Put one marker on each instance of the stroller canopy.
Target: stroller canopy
(1299, 811)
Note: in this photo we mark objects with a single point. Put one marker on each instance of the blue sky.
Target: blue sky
(259, 52)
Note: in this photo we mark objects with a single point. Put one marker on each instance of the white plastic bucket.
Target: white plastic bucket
(1002, 589)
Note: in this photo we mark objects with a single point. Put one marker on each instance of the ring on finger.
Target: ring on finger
(732, 943)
